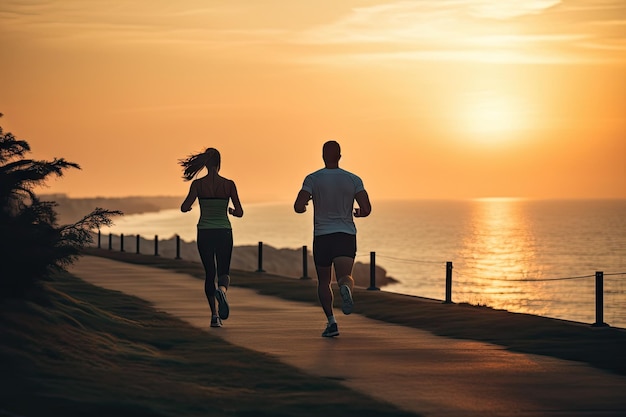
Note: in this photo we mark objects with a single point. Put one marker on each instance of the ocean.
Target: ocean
(529, 256)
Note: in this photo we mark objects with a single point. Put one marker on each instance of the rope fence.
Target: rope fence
(447, 265)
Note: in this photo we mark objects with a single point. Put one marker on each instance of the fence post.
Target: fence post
(372, 286)
(448, 283)
(110, 241)
(177, 247)
(260, 258)
(156, 245)
(599, 300)
(305, 263)
(99, 236)
(137, 245)
(122, 242)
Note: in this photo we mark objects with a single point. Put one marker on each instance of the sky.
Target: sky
(429, 99)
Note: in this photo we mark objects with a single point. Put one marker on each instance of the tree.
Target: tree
(32, 244)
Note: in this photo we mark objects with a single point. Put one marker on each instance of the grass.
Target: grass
(601, 347)
(85, 350)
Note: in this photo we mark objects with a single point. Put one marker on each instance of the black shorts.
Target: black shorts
(328, 247)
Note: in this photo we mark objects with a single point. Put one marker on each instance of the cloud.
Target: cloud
(133, 22)
(534, 31)
(507, 9)
(529, 31)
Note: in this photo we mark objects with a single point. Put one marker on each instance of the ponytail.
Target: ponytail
(193, 164)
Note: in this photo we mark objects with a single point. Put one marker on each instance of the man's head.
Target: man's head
(331, 153)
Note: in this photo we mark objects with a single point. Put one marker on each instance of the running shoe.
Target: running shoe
(346, 296)
(222, 308)
(331, 330)
(216, 321)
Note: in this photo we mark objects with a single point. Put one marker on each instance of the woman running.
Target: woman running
(215, 235)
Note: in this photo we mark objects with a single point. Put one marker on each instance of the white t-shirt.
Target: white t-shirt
(333, 192)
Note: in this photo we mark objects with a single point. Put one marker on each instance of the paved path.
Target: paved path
(417, 371)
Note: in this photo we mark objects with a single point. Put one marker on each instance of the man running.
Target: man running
(333, 191)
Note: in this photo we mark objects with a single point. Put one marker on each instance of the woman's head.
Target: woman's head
(209, 159)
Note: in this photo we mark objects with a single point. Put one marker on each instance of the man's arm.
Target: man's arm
(301, 201)
(365, 207)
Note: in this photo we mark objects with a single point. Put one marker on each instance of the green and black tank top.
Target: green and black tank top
(214, 213)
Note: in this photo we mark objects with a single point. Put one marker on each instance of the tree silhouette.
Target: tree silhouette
(32, 244)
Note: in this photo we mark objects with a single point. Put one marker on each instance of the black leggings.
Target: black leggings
(216, 248)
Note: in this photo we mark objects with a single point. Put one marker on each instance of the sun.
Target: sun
(491, 117)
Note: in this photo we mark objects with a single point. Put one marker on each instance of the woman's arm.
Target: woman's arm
(234, 196)
(191, 197)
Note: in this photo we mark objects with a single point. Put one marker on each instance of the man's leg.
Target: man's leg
(324, 292)
(343, 271)
(322, 255)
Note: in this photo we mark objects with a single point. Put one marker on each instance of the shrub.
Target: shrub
(32, 244)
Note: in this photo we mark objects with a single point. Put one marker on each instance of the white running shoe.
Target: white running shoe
(346, 296)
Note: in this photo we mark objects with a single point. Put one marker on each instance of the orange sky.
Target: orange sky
(429, 99)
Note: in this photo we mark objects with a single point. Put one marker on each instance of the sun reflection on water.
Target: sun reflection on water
(500, 250)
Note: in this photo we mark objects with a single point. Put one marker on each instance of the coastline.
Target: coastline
(70, 210)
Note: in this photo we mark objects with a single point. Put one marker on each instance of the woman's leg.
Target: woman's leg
(223, 255)
(206, 248)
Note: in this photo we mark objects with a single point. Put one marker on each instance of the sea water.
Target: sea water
(529, 256)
